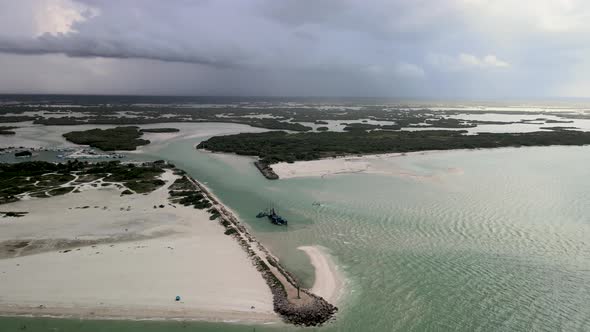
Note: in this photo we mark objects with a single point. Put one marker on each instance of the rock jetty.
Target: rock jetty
(266, 170)
(294, 304)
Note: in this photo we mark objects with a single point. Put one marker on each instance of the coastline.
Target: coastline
(372, 163)
(343, 164)
(329, 282)
(130, 255)
(55, 305)
(294, 304)
(119, 260)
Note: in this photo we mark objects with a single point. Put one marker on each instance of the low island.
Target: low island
(7, 130)
(119, 138)
(278, 146)
(159, 130)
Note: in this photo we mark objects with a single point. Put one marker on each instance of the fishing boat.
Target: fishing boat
(273, 216)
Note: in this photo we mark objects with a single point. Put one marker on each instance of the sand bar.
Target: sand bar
(371, 164)
(329, 281)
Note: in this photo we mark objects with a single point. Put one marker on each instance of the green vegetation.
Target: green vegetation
(119, 138)
(145, 185)
(493, 122)
(141, 179)
(160, 130)
(183, 192)
(54, 179)
(225, 223)
(60, 191)
(18, 118)
(366, 126)
(214, 213)
(23, 154)
(264, 116)
(230, 231)
(39, 194)
(271, 124)
(13, 214)
(44, 179)
(559, 121)
(181, 183)
(151, 116)
(322, 128)
(196, 199)
(449, 123)
(20, 178)
(560, 128)
(7, 130)
(279, 146)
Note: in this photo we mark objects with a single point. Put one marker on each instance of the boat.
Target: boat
(273, 216)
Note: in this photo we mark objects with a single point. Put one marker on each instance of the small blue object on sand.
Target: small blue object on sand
(177, 298)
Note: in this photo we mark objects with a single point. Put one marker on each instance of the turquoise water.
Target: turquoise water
(489, 240)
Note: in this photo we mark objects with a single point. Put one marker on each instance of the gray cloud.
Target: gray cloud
(76, 45)
(298, 47)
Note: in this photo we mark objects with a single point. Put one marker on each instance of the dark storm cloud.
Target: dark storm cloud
(399, 21)
(75, 45)
(155, 30)
(299, 47)
(230, 33)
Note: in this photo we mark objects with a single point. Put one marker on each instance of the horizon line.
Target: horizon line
(401, 98)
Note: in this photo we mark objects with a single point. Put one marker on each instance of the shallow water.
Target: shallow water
(487, 240)
(460, 240)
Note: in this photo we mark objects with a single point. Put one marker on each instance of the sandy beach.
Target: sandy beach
(97, 254)
(372, 164)
(321, 167)
(381, 164)
(329, 281)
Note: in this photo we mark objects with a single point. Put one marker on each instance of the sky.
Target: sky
(386, 48)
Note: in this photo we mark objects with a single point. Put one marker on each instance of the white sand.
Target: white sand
(145, 258)
(322, 167)
(329, 282)
(382, 164)
(374, 164)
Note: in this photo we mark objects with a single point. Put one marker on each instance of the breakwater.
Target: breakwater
(294, 304)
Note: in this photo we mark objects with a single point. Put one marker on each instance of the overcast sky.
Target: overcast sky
(397, 48)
